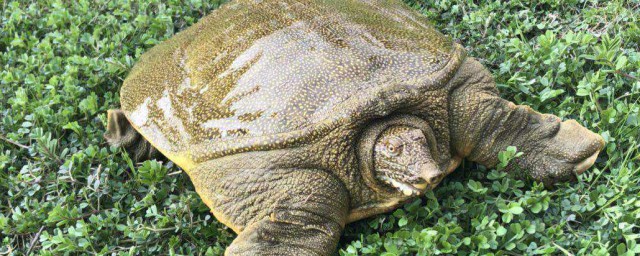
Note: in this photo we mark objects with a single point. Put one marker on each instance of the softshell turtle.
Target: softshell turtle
(294, 118)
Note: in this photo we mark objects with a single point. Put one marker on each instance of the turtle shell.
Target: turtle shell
(260, 75)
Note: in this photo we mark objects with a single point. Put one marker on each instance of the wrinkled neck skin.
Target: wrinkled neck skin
(482, 124)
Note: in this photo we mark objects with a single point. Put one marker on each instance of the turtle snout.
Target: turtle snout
(429, 173)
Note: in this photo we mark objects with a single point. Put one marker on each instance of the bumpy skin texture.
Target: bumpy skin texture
(273, 109)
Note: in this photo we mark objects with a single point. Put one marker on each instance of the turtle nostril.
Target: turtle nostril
(429, 173)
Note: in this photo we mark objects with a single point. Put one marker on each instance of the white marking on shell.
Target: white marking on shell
(164, 103)
(225, 125)
(140, 116)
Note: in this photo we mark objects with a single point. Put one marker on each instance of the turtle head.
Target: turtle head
(402, 159)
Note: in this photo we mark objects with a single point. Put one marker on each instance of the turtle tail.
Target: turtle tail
(120, 133)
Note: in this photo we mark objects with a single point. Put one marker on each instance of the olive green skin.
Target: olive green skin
(264, 105)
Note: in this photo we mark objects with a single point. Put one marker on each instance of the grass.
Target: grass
(64, 191)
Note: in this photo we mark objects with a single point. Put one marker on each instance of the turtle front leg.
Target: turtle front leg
(120, 133)
(307, 217)
(483, 124)
(303, 225)
(274, 210)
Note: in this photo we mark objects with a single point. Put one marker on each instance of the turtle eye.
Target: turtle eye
(394, 147)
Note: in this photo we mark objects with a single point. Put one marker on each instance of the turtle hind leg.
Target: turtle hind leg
(120, 133)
